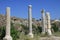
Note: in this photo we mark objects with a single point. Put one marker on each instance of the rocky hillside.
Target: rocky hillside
(2, 20)
(17, 20)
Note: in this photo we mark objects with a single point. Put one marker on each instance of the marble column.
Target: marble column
(30, 20)
(7, 36)
(48, 23)
(43, 21)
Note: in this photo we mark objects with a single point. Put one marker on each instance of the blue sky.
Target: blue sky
(19, 8)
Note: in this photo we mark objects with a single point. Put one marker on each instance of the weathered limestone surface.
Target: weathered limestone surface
(30, 20)
(48, 23)
(7, 36)
(43, 21)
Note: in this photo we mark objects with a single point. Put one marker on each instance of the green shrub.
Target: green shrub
(36, 30)
(2, 32)
(25, 29)
(14, 32)
(54, 27)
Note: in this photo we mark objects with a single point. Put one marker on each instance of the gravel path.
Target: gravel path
(50, 38)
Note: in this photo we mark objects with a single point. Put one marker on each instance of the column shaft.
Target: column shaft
(8, 21)
(30, 20)
(48, 24)
(43, 21)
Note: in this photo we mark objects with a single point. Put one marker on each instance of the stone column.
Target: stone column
(43, 21)
(7, 36)
(30, 20)
(48, 23)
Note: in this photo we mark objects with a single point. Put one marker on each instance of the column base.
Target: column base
(43, 33)
(31, 35)
(49, 32)
(7, 37)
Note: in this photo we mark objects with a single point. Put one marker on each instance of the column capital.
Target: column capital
(30, 6)
(42, 11)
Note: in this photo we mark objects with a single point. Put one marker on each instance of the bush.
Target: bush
(14, 32)
(25, 29)
(54, 27)
(2, 32)
(37, 30)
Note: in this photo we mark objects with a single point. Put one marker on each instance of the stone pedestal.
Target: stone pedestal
(30, 20)
(49, 32)
(48, 23)
(7, 36)
(31, 35)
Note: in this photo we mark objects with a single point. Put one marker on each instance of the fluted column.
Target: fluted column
(7, 36)
(48, 23)
(30, 20)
